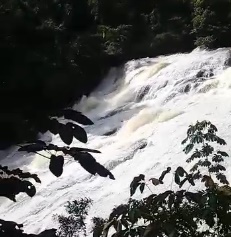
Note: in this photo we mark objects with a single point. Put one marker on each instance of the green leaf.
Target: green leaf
(213, 127)
(217, 158)
(221, 141)
(124, 223)
(205, 163)
(222, 178)
(151, 230)
(188, 148)
(171, 200)
(222, 153)
(119, 226)
(184, 141)
(107, 227)
(207, 150)
(56, 165)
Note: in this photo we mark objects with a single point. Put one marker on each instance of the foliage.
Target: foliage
(211, 22)
(47, 47)
(74, 224)
(205, 212)
(13, 182)
(12, 229)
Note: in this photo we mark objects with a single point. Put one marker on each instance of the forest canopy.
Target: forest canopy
(48, 46)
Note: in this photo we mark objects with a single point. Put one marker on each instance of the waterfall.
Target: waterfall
(148, 103)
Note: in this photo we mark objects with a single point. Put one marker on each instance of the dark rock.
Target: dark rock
(110, 132)
(144, 91)
(187, 88)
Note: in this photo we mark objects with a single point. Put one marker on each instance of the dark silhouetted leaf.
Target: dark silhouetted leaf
(142, 187)
(205, 163)
(18, 172)
(222, 178)
(180, 171)
(171, 200)
(79, 133)
(188, 148)
(88, 162)
(164, 173)
(209, 183)
(177, 179)
(213, 127)
(56, 165)
(151, 230)
(207, 150)
(221, 141)
(77, 117)
(155, 181)
(66, 133)
(135, 183)
(54, 126)
(222, 153)
(161, 197)
(184, 141)
(79, 149)
(107, 227)
(194, 197)
(225, 190)
(28, 188)
(217, 158)
(11, 186)
(33, 147)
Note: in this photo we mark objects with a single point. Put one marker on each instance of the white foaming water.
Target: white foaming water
(148, 101)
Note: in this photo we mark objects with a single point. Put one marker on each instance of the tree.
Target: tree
(202, 213)
(211, 22)
(74, 224)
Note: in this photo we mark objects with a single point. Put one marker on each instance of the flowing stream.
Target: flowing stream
(141, 113)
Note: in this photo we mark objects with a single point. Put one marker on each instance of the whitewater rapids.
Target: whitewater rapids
(147, 102)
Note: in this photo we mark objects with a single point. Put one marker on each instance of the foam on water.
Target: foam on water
(146, 106)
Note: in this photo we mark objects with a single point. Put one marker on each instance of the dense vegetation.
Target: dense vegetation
(54, 51)
(183, 212)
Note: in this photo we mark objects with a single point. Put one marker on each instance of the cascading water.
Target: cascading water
(141, 113)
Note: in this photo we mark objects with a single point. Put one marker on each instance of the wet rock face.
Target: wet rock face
(228, 60)
(187, 88)
(112, 113)
(205, 74)
(111, 132)
(144, 91)
(139, 145)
